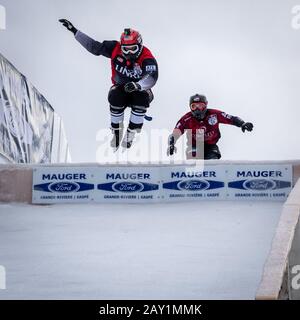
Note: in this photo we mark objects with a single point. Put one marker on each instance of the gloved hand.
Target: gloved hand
(171, 147)
(131, 87)
(247, 126)
(66, 23)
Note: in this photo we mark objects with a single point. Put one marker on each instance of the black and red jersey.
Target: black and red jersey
(144, 70)
(208, 127)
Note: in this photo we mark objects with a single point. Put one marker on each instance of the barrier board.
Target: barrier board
(193, 183)
(137, 184)
(269, 182)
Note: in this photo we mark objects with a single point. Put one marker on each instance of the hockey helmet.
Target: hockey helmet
(198, 106)
(131, 44)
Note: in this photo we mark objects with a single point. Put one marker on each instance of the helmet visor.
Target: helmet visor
(130, 49)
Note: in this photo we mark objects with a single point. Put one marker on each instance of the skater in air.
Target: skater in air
(134, 73)
(202, 127)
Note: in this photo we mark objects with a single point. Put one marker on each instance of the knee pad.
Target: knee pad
(117, 114)
(116, 97)
(137, 117)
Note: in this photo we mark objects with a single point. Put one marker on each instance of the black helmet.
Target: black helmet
(198, 106)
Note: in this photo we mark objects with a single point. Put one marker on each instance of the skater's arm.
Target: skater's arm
(225, 118)
(235, 121)
(179, 129)
(176, 134)
(97, 48)
(150, 74)
(104, 48)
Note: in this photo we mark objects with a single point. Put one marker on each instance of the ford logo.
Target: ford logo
(128, 186)
(259, 184)
(64, 187)
(193, 185)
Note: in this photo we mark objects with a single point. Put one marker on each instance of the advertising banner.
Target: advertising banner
(259, 182)
(136, 184)
(95, 184)
(192, 183)
(128, 184)
(63, 185)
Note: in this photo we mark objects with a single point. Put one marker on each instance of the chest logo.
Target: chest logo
(134, 72)
(212, 120)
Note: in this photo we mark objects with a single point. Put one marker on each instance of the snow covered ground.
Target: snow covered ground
(198, 250)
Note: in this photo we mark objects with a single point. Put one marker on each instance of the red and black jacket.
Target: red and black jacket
(144, 70)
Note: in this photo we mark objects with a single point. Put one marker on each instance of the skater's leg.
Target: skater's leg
(117, 100)
(135, 125)
(117, 126)
(139, 102)
(137, 117)
(192, 153)
(211, 152)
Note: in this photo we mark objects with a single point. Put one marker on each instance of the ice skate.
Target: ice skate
(128, 138)
(117, 137)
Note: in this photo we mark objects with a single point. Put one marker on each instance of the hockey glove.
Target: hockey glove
(247, 126)
(131, 87)
(171, 148)
(66, 23)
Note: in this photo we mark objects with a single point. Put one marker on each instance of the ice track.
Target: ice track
(199, 250)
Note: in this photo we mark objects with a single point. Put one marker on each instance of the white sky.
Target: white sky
(244, 55)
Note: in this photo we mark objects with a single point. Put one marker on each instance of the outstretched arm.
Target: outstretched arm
(67, 24)
(97, 48)
(236, 121)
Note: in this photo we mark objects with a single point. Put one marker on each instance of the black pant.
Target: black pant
(138, 101)
(211, 152)
(119, 98)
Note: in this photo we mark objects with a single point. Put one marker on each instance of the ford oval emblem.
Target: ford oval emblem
(127, 186)
(193, 185)
(259, 184)
(64, 187)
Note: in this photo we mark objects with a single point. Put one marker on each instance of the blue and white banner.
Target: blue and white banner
(160, 183)
(63, 185)
(193, 183)
(128, 184)
(255, 182)
(96, 184)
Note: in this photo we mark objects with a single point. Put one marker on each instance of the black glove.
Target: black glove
(66, 23)
(131, 87)
(247, 126)
(171, 147)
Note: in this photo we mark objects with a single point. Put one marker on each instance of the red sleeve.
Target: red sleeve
(180, 125)
(223, 117)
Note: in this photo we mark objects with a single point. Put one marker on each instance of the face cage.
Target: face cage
(201, 106)
(199, 113)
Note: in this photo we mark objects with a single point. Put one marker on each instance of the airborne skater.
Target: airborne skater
(202, 124)
(134, 73)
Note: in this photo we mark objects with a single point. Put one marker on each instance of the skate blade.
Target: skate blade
(126, 148)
